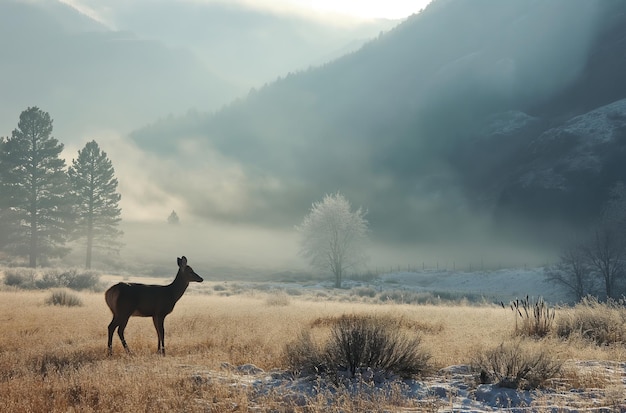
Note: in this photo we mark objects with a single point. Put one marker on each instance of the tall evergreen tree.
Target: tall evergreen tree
(34, 189)
(5, 222)
(94, 189)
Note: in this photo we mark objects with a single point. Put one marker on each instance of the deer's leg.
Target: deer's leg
(120, 332)
(112, 326)
(160, 329)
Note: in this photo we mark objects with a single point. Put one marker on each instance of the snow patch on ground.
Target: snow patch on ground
(454, 388)
(499, 285)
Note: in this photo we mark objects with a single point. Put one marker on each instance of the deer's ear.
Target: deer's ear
(182, 262)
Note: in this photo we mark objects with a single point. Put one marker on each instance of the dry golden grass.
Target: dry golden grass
(54, 358)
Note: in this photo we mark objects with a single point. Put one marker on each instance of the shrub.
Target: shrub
(359, 345)
(60, 362)
(513, 366)
(279, 298)
(601, 323)
(20, 278)
(63, 298)
(305, 356)
(532, 319)
(26, 278)
(364, 292)
(49, 280)
(428, 297)
(86, 280)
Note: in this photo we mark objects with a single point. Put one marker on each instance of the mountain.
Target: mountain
(90, 78)
(117, 65)
(468, 118)
(247, 44)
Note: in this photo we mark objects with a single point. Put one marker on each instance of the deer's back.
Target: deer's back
(144, 300)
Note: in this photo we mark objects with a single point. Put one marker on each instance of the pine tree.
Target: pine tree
(35, 205)
(173, 218)
(5, 222)
(94, 189)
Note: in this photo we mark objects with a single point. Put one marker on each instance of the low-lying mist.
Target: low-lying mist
(220, 251)
(228, 248)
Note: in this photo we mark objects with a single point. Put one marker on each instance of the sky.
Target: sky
(390, 9)
(358, 9)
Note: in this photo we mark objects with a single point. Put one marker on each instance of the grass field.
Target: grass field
(53, 358)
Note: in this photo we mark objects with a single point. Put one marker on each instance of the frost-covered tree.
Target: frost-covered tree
(333, 236)
(94, 189)
(34, 189)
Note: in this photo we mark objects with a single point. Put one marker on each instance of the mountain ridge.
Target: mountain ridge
(399, 125)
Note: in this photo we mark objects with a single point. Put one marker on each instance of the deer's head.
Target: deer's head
(186, 271)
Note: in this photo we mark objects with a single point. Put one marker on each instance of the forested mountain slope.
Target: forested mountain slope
(467, 114)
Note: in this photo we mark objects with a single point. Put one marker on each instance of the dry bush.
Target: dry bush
(20, 277)
(513, 365)
(532, 318)
(61, 361)
(429, 297)
(28, 279)
(277, 299)
(357, 344)
(601, 323)
(220, 287)
(364, 292)
(64, 298)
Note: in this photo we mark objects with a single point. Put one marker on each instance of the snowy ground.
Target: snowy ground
(478, 286)
(453, 389)
(499, 285)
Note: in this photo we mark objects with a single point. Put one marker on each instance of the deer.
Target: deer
(156, 301)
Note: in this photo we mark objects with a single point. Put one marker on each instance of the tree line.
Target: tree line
(44, 204)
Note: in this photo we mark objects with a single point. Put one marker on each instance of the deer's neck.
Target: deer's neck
(178, 286)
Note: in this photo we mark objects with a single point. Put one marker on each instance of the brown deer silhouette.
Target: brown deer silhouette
(156, 301)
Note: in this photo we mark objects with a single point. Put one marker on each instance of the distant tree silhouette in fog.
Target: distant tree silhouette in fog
(94, 190)
(173, 218)
(35, 205)
(333, 236)
(596, 264)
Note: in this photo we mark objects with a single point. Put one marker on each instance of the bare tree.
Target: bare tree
(573, 272)
(606, 255)
(600, 258)
(607, 250)
(333, 236)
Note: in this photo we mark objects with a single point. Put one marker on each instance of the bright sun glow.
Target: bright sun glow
(390, 9)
